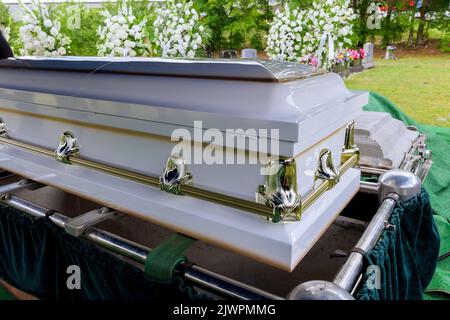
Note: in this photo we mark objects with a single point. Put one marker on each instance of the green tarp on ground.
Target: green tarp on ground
(437, 184)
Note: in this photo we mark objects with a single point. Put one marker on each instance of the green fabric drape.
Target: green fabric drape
(35, 255)
(5, 294)
(406, 255)
(438, 140)
(437, 184)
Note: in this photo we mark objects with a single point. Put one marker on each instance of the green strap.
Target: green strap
(162, 260)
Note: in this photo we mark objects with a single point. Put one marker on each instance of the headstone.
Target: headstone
(390, 53)
(249, 54)
(368, 59)
(229, 54)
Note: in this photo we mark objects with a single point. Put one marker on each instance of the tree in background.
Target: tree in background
(80, 24)
(10, 28)
(248, 23)
(5, 21)
(431, 10)
(236, 24)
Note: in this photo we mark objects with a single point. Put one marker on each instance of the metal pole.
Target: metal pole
(394, 185)
(368, 187)
(351, 270)
(218, 284)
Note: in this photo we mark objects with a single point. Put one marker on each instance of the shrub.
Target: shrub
(10, 28)
(444, 44)
(80, 24)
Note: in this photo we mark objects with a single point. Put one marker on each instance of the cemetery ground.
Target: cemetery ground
(418, 82)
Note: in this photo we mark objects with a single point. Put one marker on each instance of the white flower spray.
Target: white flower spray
(177, 30)
(121, 35)
(296, 35)
(40, 34)
(285, 39)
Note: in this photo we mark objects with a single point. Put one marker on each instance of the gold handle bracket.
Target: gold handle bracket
(280, 190)
(68, 146)
(175, 175)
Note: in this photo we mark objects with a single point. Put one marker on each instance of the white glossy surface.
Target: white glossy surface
(312, 107)
(282, 245)
(382, 139)
(147, 154)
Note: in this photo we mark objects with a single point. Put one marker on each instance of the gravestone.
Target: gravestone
(249, 54)
(390, 53)
(368, 59)
(229, 54)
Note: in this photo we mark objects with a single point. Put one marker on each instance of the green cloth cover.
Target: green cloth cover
(437, 184)
(438, 140)
(35, 255)
(406, 254)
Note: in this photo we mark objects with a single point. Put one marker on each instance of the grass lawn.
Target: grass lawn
(419, 85)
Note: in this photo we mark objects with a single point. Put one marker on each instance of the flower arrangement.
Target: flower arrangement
(178, 31)
(40, 33)
(341, 57)
(297, 33)
(355, 56)
(285, 39)
(310, 59)
(121, 35)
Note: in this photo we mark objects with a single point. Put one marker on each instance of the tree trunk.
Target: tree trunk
(362, 7)
(420, 41)
(386, 34)
(411, 31)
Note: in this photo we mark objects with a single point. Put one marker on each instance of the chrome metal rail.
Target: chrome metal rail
(215, 283)
(395, 185)
(417, 160)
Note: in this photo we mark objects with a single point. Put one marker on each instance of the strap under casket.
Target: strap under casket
(162, 261)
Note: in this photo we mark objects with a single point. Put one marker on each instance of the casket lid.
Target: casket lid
(254, 70)
(304, 104)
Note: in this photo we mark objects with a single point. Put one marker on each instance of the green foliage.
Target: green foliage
(360, 29)
(444, 44)
(236, 24)
(441, 22)
(393, 28)
(140, 8)
(7, 21)
(4, 14)
(80, 24)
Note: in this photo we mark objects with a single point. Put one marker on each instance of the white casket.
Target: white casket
(252, 156)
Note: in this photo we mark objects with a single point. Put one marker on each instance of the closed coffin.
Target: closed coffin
(128, 114)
